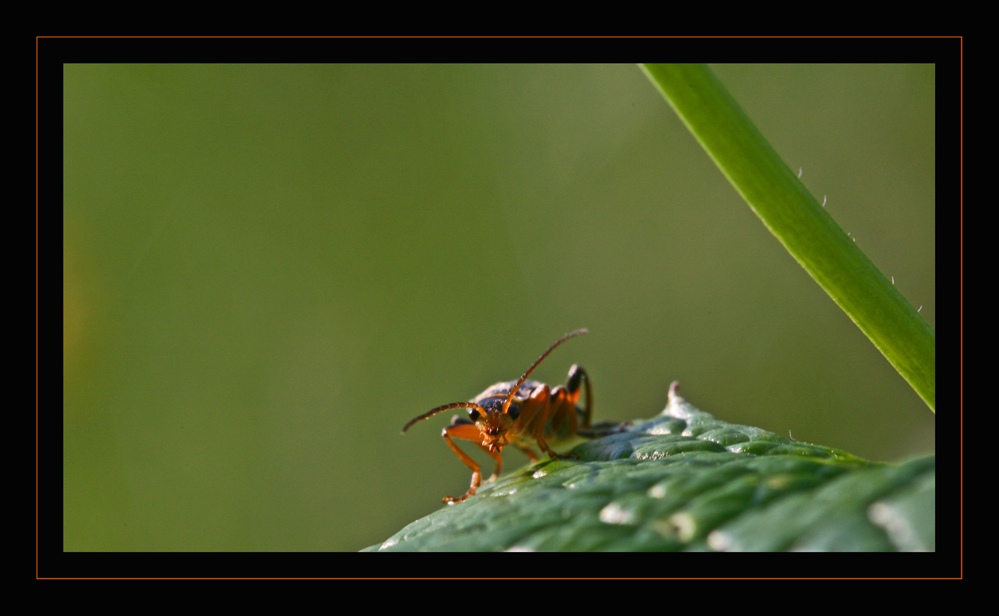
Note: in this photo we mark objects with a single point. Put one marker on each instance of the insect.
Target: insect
(519, 413)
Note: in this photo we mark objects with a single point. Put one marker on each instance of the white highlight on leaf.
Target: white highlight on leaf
(897, 527)
(686, 525)
(614, 514)
(388, 544)
(720, 541)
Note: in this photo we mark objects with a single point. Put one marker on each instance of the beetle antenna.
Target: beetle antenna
(441, 409)
(516, 388)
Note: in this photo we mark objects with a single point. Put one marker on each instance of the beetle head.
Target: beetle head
(492, 423)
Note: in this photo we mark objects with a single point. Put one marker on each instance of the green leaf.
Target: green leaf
(686, 481)
(801, 224)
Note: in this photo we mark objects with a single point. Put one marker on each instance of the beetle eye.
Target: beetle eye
(513, 411)
(473, 414)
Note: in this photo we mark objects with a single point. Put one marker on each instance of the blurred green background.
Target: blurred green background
(269, 269)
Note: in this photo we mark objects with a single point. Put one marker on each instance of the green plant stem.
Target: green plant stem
(801, 224)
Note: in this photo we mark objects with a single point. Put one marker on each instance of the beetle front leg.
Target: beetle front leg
(469, 432)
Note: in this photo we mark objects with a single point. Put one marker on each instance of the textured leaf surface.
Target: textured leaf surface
(685, 481)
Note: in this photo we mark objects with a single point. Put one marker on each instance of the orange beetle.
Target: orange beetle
(518, 413)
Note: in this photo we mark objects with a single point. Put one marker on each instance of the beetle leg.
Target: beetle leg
(469, 432)
(533, 457)
(539, 410)
(534, 412)
(498, 458)
(577, 377)
(605, 428)
(545, 405)
(562, 421)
